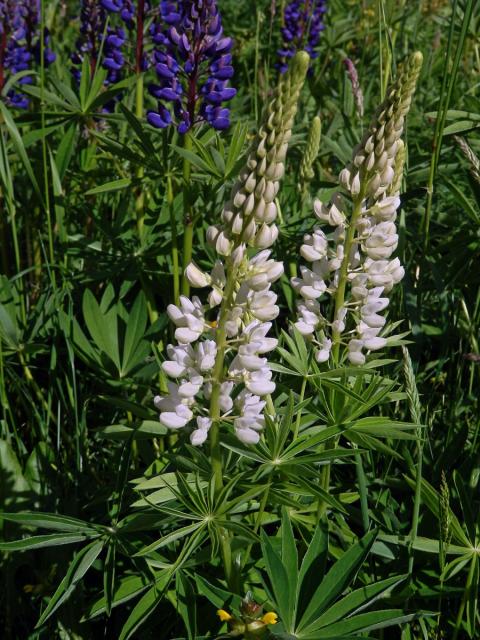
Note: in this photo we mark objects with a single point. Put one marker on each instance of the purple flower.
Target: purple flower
(193, 65)
(20, 39)
(95, 37)
(302, 26)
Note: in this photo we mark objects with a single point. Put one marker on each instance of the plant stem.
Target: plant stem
(44, 144)
(188, 215)
(173, 230)
(417, 502)
(466, 595)
(342, 282)
(299, 414)
(140, 201)
(362, 489)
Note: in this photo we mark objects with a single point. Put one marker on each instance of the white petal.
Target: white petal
(172, 420)
(247, 436)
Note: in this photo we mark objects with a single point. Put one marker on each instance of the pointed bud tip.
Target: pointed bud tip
(300, 63)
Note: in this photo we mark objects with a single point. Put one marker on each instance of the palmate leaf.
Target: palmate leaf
(337, 580)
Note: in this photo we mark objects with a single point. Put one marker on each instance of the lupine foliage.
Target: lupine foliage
(292, 450)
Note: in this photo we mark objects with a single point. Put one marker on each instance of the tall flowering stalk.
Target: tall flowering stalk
(219, 364)
(20, 44)
(354, 265)
(302, 27)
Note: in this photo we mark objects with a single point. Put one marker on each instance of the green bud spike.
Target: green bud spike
(311, 153)
(251, 209)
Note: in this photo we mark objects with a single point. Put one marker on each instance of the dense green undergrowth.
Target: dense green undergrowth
(357, 513)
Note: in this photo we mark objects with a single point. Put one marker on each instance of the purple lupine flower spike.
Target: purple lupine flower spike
(194, 65)
(19, 42)
(302, 26)
(356, 88)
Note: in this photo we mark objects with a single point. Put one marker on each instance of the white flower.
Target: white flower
(262, 271)
(256, 332)
(315, 247)
(188, 318)
(200, 434)
(205, 355)
(331, 215)
(251, 419)
(247, 436)
(338, 325)
(309, 317)
(192, 386)
(355, 354)
(262, 305)
(196, 277)
(323, 354)
(311, 285)
(175, 411)
(372, 344)
(182, 357)
(259, 382)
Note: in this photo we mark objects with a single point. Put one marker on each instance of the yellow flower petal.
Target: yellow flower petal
(224, 615)
(270, 618)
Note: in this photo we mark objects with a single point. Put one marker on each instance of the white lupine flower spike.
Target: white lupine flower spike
(354, 264)
(221, 356)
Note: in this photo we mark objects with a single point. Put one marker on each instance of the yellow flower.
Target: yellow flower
(224, 615)
(270, 618)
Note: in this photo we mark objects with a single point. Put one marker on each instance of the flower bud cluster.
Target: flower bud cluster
(302, 26)
(193, 62)
(353, 263)
(222, 358)
(306, 172)
(249, 216)
(20, 45)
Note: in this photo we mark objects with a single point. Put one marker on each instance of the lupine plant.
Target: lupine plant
(239, 318)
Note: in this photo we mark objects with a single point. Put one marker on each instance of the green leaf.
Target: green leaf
(102, 326)
(358, 599)
(19, 146)
(79, 566)
(143, 609)
(279, 581)
(312, 568)
(50, 521)
(170, 537)
(337, 579)
(364, 622)
(49, 540)
(114, 185)
(136, 326)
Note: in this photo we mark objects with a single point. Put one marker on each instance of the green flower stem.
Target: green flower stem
(140, 201)
(214, 434)
(217, 378)
(466, 595)
(417, 501)
(342, 282)
(44, 145)
(36, 389)
(299, 414)
(188, 215)
(173, 230)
